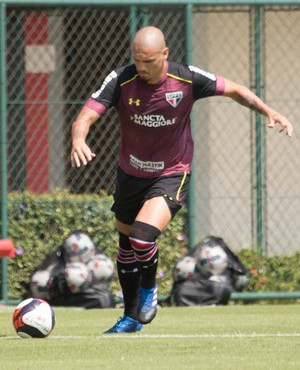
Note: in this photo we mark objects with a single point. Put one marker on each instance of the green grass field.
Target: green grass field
(241, 337)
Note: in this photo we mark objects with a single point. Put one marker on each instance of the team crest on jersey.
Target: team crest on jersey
(174, 98)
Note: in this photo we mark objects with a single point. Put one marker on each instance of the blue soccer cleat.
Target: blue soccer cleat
(147, 305)
(125, 324)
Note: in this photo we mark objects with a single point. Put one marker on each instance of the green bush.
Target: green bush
(272, 273)
(39, 224)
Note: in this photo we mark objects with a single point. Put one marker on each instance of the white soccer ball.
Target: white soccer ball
(78, 247)
(101, 268)
(78, 277)
(219, 278)
(33, 318)
(212, 261)
(240, 282)
(39, 284)
(184, 268)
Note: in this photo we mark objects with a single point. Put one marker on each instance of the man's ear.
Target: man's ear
(166, 53)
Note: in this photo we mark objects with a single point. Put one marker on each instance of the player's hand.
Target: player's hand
(286, 126)
(81, 154)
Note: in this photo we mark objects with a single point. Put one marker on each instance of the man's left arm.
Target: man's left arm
(246, 97)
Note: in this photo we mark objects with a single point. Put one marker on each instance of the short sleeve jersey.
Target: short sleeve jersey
(156, 137)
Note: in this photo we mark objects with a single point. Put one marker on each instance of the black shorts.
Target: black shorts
(131, 193)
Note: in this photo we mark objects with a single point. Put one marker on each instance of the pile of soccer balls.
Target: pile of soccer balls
(211, 263)
(83, 267)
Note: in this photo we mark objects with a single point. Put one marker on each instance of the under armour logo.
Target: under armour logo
(132, 101)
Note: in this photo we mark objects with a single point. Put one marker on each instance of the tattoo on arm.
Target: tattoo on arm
(250, 102)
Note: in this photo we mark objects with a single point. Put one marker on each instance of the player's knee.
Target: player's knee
(143, 241)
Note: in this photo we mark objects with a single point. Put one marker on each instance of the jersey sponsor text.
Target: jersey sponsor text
(152, 120)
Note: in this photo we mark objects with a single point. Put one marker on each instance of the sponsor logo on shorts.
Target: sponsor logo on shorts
(147, 166)
(174, 98)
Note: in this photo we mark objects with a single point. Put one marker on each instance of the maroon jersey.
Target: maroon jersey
(156, 137)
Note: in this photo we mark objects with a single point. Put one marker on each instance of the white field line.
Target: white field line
(167, 336)
(183, 336)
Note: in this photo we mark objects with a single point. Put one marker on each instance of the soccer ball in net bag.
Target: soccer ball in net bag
(33, 318)
(78, 277)
(101, 268)
(39, 284)
(78, 247)
(184, 268)
(212, 261)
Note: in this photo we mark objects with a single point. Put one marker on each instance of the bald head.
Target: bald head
(149, 37)
(150, 54)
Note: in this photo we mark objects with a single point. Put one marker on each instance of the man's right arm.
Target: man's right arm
(81, 154)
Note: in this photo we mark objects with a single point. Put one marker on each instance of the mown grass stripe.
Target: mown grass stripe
(167, 336)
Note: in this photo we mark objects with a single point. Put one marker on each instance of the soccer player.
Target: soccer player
(154, 98)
